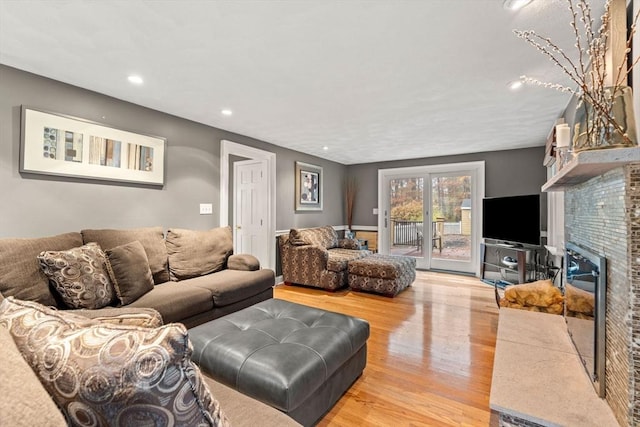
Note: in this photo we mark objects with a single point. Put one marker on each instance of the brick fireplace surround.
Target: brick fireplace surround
(603, 215)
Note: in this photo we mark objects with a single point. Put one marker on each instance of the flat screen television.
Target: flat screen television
(512, 220)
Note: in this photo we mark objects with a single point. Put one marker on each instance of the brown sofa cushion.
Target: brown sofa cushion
(24, 400)
(231, 286)
(103, 372)
(129, 270)
(79, 275)
(20, 273)
(325, 237)
(152, 239)
(176, 302)
(194, 253)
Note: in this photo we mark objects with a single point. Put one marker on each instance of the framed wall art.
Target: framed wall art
(56, 144)
(308, 187)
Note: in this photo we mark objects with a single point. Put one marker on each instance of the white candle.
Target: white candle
(562, 135)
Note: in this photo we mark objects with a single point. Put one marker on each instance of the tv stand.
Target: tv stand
(519, 252)
(505, 245)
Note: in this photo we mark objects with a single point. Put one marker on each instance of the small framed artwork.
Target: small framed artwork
(308, 187)
(56, 144)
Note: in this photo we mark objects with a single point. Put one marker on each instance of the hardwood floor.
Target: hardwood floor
(430, 353)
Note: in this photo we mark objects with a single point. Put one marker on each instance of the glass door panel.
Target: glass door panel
(406, 215)
(451, 225)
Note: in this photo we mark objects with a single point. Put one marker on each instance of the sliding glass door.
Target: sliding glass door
(428, 213)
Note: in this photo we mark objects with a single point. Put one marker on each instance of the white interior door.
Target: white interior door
(251, 235)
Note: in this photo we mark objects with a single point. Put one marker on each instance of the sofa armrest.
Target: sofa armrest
(349, 244)
(311, 255)
(244, 262)
(312, 252)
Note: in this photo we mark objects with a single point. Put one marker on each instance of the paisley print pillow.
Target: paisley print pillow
(102, 374)
(79, 275)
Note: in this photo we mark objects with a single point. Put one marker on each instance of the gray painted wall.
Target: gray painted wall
(507, 173)
(38, 205)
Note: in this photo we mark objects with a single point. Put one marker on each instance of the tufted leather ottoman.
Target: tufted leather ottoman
(295, 358)
(382, 274)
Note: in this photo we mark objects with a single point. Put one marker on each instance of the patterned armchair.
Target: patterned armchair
(316, 257)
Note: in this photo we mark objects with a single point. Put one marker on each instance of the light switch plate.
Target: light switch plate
(375, 211)
(206, 208)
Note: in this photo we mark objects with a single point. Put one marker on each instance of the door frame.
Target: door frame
(427, 170)
(228, 148)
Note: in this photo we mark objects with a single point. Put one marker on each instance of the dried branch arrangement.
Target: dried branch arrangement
(601, 126)
(350, 190)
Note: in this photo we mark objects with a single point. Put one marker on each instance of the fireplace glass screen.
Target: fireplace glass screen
(585, 309)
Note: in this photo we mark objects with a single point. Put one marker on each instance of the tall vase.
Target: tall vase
(616, 128)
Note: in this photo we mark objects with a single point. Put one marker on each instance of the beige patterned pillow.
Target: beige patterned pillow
(79, 275)
(325, 237)
(104, 374)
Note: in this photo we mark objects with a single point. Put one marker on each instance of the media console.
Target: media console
(525, 260)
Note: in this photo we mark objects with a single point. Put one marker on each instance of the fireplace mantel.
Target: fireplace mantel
(589, 164)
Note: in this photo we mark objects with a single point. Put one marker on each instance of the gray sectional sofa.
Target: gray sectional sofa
(188, 277)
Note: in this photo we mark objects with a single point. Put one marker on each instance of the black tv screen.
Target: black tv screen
(514, 219)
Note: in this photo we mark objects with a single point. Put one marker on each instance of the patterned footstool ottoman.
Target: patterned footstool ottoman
(382, 274)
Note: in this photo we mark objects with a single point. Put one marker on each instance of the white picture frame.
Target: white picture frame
(61, 145)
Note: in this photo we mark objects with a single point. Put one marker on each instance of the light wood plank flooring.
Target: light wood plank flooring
(430, 354)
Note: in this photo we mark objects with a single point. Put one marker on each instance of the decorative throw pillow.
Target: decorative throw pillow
(104, 374)
(194, 253)
(79, 275)
(129, 270)
(324, 237)
(349, 244)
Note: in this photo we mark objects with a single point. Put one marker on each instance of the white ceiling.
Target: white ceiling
(371, 80)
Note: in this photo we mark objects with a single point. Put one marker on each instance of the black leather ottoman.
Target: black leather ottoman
(298, 359)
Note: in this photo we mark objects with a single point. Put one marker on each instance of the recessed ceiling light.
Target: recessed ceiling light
(325, 148)
(136, 80)
(515, 4)
(515, 85)
(226, 112)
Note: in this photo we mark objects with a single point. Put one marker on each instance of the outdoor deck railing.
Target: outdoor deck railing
(409, 233)
(405, 233)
